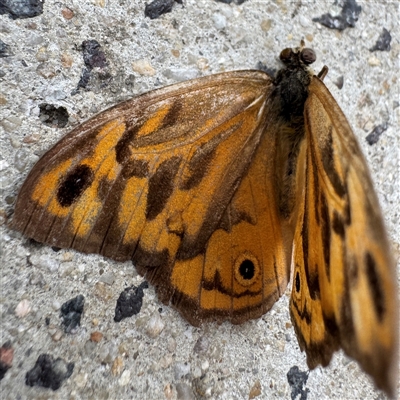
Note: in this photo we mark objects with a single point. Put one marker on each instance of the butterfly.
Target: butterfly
(214, 188)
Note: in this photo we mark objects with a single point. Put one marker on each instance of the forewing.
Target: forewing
(149, 176)
(344, 287)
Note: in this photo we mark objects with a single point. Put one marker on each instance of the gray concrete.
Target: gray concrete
(134, 359)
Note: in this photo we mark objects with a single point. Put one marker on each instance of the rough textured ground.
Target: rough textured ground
(133, 358)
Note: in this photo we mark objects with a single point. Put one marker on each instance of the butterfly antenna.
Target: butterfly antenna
(322, 74)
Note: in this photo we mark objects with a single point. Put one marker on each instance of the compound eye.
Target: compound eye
(286, 55)
(308, 56)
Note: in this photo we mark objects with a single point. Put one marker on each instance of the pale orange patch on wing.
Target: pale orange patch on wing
(186, 276)
(86, 211)
(103, 158)
(153, 122)
(215, 300)
(46, 188)
(132, 210)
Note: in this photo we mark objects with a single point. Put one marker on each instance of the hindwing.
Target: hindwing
(344, 284)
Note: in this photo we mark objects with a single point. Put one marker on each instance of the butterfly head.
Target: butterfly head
(293, 80)
(296, 57)
(301, 57)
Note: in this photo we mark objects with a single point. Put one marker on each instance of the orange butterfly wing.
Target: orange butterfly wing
(152, 180)
(245, 267)
(344, 285)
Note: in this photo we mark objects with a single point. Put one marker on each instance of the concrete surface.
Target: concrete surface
(133, 358)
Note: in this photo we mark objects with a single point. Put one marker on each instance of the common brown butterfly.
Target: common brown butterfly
(213, 188)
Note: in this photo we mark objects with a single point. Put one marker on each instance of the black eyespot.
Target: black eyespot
(308, 56)
(247, 269)
(74, 184)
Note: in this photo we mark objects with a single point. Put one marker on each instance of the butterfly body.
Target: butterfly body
(213, 187)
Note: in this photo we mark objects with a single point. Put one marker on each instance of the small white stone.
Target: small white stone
(201, 345)
(203, 64)
(4, 165)
(226, 10)
(196, 373)
(181, 74)
(155, 325)
(11, 123)
(108, 353)
(57, 95)
(304, 22)
(81, 380)
(281, 345)
(171, 344)
(219, 20)
(42, 54)
(168, 391)
(34, 259)
(374, 61)
(125, 378)
(5, 180)
(65, 257)
(23, 308)
(266, 24)
(34, 39)
(22, 252)
(205, 365)
(57, 335)
(81, 268)
(66, 269)
(184, 391)
(166, 361)
(189, 333)
(56, 305)
(181, 370)
(36, 278)
(117, 366)
(22, 328)
(107, 278)
(46, 261)
(46, 70)
(143, 67)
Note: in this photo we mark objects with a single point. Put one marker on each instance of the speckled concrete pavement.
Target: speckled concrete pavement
(156, 354)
